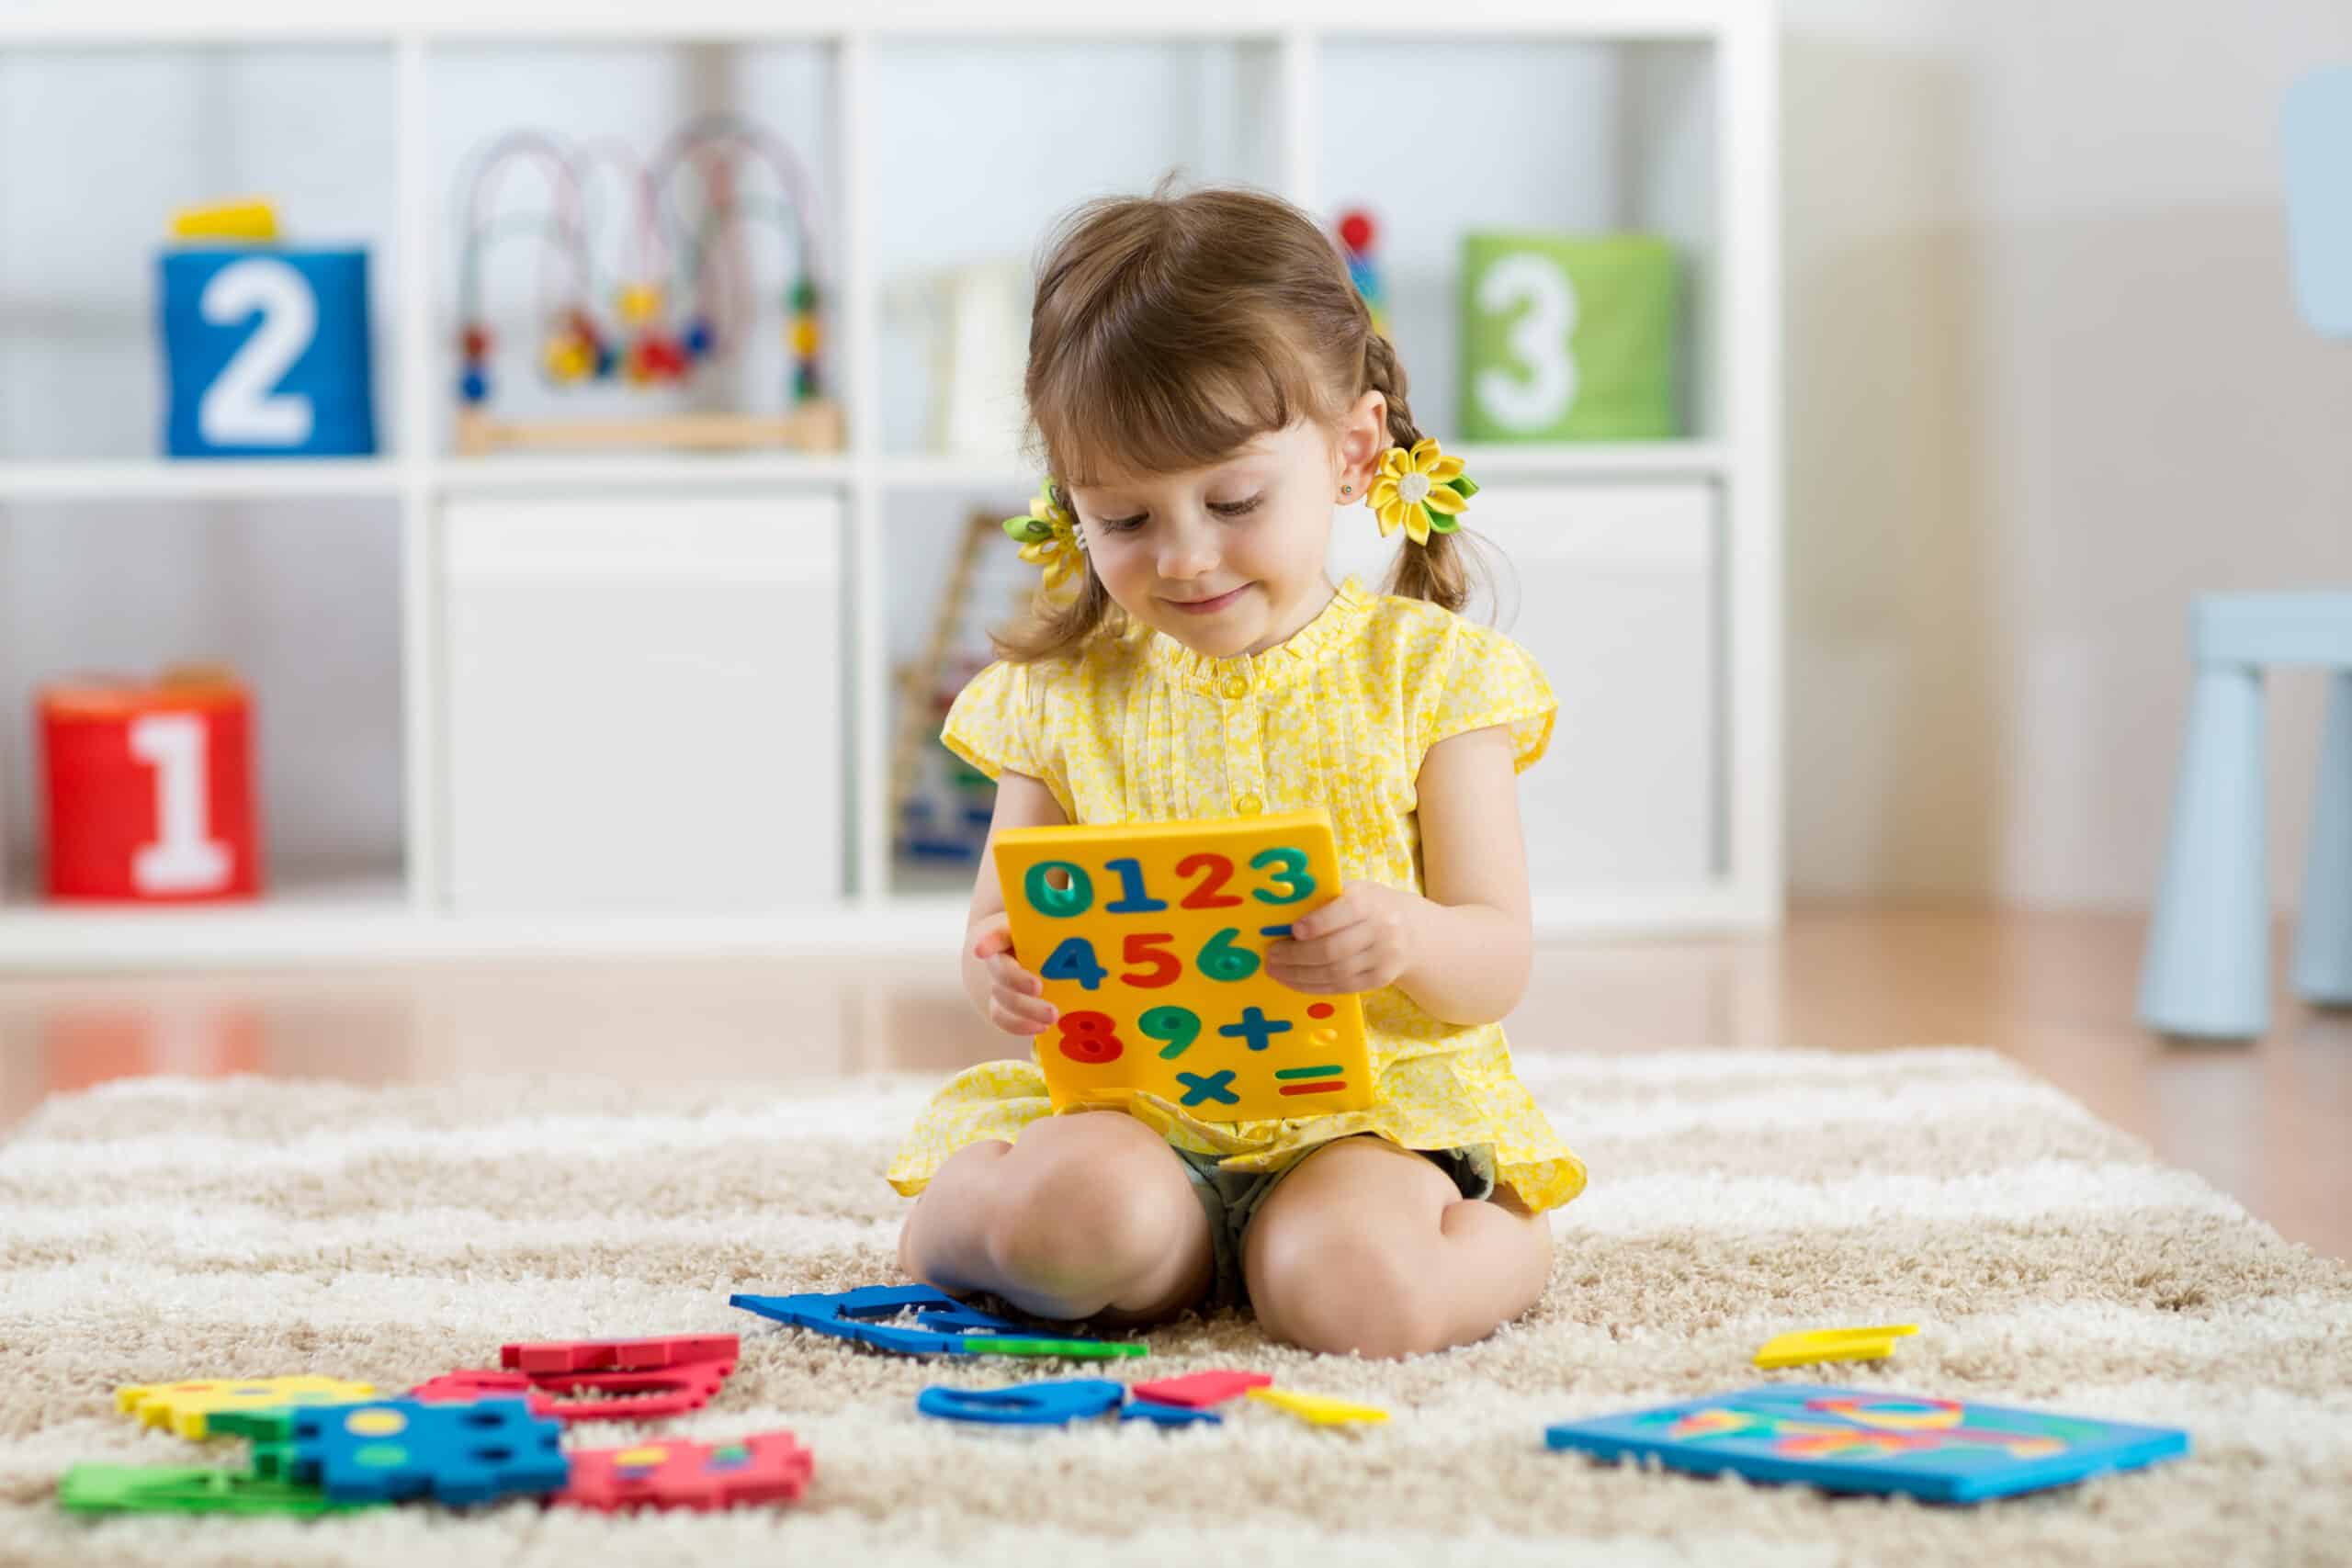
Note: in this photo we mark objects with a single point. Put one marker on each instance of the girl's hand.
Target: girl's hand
(1016, 997)
(1359, 941)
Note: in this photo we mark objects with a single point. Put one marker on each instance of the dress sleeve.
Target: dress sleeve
(1482, 679)
(994, 723)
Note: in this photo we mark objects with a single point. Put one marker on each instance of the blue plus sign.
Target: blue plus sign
(1255, 1027)
(1200, 1090)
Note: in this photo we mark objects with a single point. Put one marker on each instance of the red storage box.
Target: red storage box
(151, 789)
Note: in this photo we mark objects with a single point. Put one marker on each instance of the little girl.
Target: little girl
(1207, 387)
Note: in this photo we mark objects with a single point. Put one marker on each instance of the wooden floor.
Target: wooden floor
(2270, 1122)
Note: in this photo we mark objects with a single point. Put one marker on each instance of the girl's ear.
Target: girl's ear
(1363, 436)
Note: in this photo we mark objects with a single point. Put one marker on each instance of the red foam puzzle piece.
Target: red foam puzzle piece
(1198, 1391)
(634, 1396)
(679, 1474)
(465, 1386)
(620, 1355)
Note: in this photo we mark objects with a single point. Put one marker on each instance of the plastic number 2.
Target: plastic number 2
(182, 858)
(1539, 338)
(240, 409)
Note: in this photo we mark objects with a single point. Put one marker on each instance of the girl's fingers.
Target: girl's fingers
(1019, 1015)
(1333, 979)
(1006, 973)
(995, 940)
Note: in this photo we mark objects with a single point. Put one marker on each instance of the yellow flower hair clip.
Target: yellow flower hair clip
(1049, 539)
(1423, 491)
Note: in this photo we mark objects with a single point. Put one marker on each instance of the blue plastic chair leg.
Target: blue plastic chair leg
(2207, 969)
(2322, 970)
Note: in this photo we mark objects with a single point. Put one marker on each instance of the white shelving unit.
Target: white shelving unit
(1691, 104)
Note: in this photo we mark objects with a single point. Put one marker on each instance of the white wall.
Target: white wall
(2045, 384)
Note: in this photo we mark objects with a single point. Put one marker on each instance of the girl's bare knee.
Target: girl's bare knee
(1343, 1290)
(1092, 1217)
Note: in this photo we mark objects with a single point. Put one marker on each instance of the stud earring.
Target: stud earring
(1346, 490)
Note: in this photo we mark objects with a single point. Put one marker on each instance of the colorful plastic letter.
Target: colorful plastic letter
(405, 1447)
(182, 1407)
(1023, 1405)
(185, 1489)
(1201, 1389)
(1317, 1410)
(1813, 1345)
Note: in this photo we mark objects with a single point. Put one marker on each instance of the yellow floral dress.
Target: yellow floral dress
(1140, 729)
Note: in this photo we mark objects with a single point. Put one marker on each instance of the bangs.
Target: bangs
(1131, 403)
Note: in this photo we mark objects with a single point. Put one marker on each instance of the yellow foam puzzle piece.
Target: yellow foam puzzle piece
(1812, 1345)
(1318, 1410)
(255, 222)
(182, 1407)
(1151, 939)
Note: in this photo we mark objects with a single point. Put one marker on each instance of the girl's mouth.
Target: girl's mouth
(1207, 606)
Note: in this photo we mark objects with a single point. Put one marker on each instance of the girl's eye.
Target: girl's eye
(1122, 525)
(1237, 508)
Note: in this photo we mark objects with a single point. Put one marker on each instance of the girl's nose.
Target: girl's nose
(1186, 552)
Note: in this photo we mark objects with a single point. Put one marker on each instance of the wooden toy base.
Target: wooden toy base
(811, 427)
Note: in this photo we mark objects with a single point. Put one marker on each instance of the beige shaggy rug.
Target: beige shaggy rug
(168, 1229)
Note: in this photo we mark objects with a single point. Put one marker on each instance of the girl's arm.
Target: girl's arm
(1461, 951)
(1472, 942)
(1021, 802)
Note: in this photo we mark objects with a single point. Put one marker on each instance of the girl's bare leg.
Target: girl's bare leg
(1088, 1215)
(1372, 1249)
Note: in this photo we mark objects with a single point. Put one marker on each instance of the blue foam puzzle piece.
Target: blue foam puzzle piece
(1169, 1414)
(1025, 1405)
(397, 1449)
(946, 1322)
(1976, 1461)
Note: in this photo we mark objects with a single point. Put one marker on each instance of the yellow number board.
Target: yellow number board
(1151, 940)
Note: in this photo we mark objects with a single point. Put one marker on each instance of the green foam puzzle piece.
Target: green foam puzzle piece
(183, 1489)
(273, 1426)
(1078, 1349)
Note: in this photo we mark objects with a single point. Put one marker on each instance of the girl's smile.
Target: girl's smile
(1209, 607)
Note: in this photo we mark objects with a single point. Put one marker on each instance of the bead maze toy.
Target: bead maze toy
(1186, 910)
(1358, 234)
(677, 305)
(1852, 1439)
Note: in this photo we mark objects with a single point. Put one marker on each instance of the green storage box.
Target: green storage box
(1566, 338)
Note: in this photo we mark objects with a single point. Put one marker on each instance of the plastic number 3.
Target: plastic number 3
(241, 408)
(1539, 338)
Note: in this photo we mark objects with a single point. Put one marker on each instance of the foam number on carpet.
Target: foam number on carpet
(946, 1326)
(1812, 1345)
(404, 1448)
(1023, 1405)
(1319, 1410)
(184, 1407)
(770, 1468)
(184, 1489)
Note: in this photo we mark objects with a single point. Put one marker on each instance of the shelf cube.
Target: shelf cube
(150, 790)
(1566, 338)
(265, 351)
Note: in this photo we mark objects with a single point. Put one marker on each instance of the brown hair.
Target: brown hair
(1168, 331)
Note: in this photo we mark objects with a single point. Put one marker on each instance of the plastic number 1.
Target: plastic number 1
(241, 407)
(182, 858)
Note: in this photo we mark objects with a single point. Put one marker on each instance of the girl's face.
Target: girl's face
(1228, 558)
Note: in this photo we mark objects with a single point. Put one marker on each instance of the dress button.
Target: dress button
(1248, 804)
(1237, 686)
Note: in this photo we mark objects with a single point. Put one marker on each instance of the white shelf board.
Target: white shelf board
(162, 478)
(694, 471)
(1595, 460)
(77, 22)
(372, 921)
(369, 920)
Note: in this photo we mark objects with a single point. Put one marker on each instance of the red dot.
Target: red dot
(1321, 1010)
(1355, 231)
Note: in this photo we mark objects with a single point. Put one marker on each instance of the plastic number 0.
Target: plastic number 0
(1539, 338)
(240, 409)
